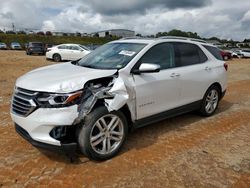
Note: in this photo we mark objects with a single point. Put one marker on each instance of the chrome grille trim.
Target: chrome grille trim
(19, 102)
(22, 102)
(19, 106)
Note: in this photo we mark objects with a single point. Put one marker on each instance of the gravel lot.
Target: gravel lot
(185, 151)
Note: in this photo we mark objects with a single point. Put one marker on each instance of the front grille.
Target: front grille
(23, 102)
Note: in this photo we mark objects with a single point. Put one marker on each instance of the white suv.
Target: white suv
(91, 104)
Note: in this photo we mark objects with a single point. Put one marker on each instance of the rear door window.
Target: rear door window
(62, 47)
(188, 54)
(214, 51)
(37, 44)
(75, 48)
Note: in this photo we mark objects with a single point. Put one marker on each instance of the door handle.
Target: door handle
(208, 69)
(174, 75)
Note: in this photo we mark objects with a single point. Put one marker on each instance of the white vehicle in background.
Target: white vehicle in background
(67, 52)
(3, 46)
(245, 53)
(235, 53)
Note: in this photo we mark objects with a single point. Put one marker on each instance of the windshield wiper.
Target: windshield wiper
(89, 66)
(75, 62)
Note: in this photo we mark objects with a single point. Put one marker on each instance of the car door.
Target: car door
(75, 52)
(157, 92)
(64, 51)
(195, 72)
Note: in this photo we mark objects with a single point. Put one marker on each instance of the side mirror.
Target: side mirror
(147, 68)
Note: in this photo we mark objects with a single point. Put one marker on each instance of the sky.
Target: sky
(228, 19)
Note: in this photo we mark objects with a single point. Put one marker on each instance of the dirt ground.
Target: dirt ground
(185, 151)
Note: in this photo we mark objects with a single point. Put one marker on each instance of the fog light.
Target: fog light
(58, 132)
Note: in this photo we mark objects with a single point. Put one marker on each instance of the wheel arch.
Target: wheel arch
(56, 53)
(217, 84)
(125, 110)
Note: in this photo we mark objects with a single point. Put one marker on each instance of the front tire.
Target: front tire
(210, 101)
(102, 134)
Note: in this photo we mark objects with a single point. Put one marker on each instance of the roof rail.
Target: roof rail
(126, 38)
(136, 37)
(183, 38)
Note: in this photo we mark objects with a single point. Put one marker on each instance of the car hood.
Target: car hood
(60, 78)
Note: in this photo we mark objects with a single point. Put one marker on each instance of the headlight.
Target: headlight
(58, 100)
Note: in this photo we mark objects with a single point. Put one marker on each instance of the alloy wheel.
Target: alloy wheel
(107, 134)
(211, 101)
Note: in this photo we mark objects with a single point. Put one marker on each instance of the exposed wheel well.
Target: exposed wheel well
(125, 110)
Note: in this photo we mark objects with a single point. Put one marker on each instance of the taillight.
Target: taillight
(226, 66)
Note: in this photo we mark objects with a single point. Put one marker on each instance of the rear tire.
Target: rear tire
(102, 134)
(226, 58)
(210, 101)
(57, 57)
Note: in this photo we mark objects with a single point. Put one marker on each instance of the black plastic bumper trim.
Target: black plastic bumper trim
(223, 94)
(68, 148)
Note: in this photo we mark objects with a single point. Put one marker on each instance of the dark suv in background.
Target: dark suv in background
(35, 48)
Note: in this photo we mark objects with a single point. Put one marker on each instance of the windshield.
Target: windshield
(111, 56)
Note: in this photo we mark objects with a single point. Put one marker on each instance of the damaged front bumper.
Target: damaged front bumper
(67, 148)
(37, 128)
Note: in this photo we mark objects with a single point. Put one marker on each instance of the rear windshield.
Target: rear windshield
(214, 51)
(36, 44)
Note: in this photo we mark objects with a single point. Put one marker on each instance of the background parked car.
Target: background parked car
(67, 52)
(3, 46)
(235, 53)
(35, 48)
(225, 55)
(15, 46)
(245, 53)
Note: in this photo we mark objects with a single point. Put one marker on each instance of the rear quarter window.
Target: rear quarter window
(214, 51)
